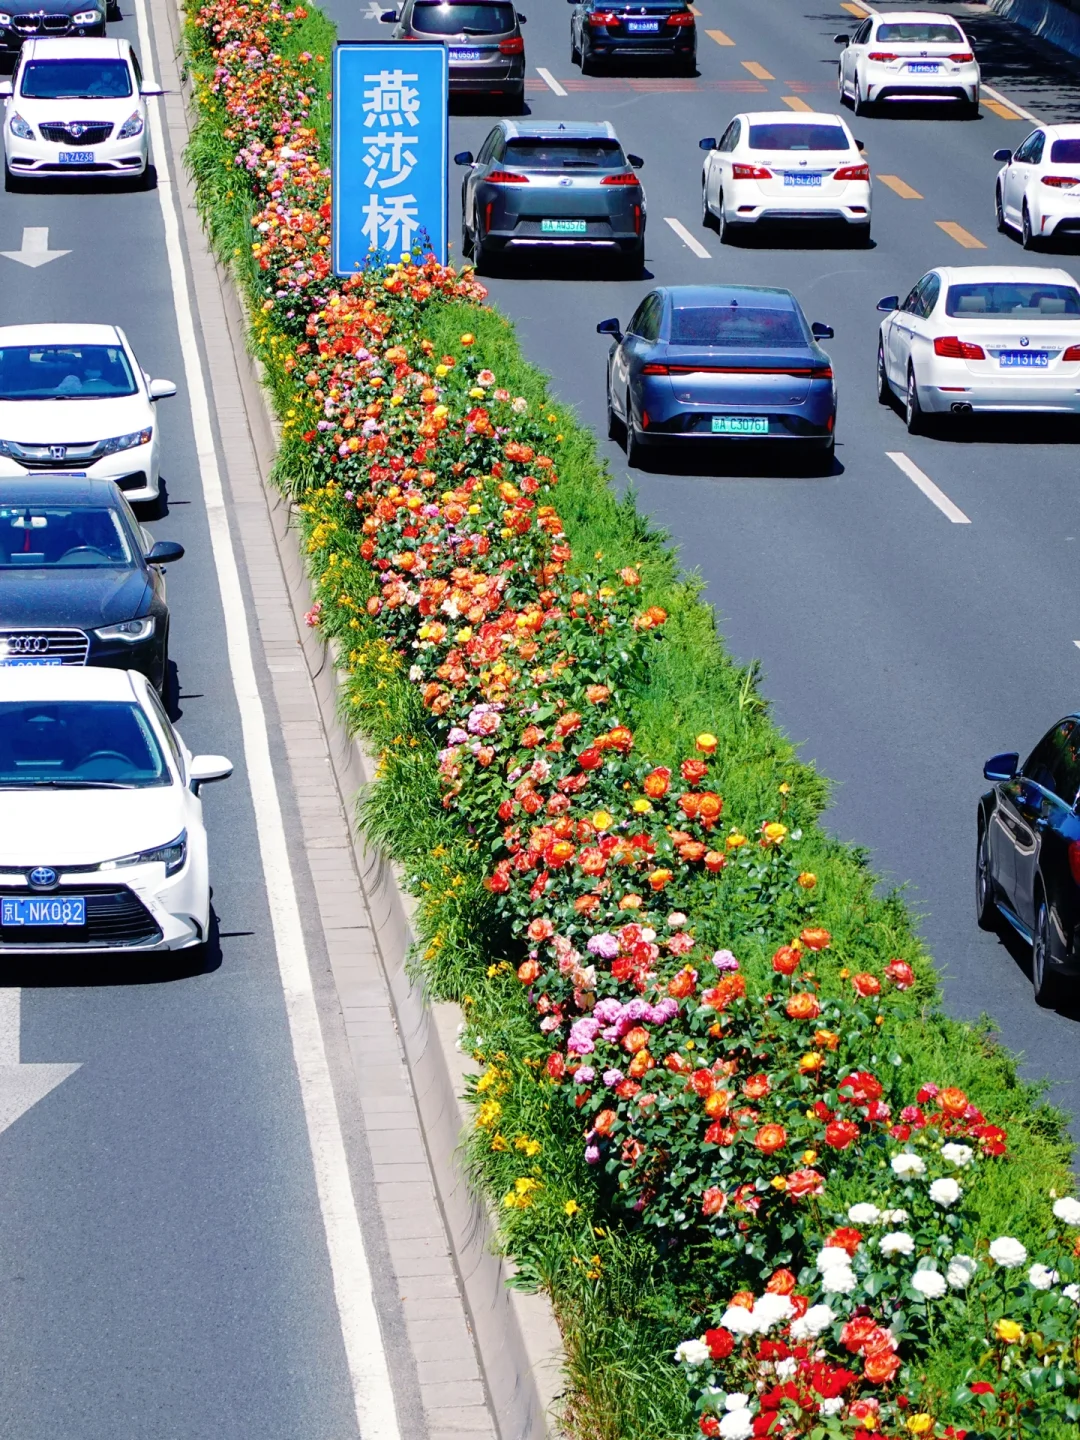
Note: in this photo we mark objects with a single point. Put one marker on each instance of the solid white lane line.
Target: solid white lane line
(690, 241)
(997, 95)
(550, 81)
(929, 489)
(364, 1350)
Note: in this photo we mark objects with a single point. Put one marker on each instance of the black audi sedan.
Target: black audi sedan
(642, 30)
(1027, 868)
(60, 17)
(80, 579)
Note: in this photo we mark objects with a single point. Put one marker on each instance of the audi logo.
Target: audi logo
(26, 644)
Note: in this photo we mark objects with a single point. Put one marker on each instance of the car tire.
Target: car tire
(13, 184)
(858, 104)
(999, 211)
(841, 92)
(913, 413)
(633, 262)
(724, 229)
(588, 64)
(1027, 237)
(1044, 980)
(515, 102)
(708, 219)
(884, 388)
(986, 911)
(615, 427)
(635, 451)
(859, 236)
(575, 53)
(818, 459)
(466, 241)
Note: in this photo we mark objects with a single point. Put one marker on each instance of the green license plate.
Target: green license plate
(740, 425)
(563, 227)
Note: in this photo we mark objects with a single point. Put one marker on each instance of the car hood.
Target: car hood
(84, 827)
(97, 108)
(61, 596)
(69, 422)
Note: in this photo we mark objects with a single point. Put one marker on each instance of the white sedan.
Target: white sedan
(102, 846)
(1038, 186)
(982, 338)
(908, 55)
(75, 107)
(73, 402)
(804, 169)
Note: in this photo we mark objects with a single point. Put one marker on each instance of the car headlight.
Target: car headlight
(172, 856)
(126, 442)
(132, 126)
(7, 447)
(19, 127)
(86, 17)
(130, 630)
(5, 18)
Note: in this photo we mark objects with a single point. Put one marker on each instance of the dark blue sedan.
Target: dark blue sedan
(702, 363)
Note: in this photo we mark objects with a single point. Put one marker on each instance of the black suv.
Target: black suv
(487, 51)
(51, 19)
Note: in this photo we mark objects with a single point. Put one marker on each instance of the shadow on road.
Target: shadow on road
(38, 972)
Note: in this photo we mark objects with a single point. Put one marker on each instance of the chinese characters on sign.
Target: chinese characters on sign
(390, 152)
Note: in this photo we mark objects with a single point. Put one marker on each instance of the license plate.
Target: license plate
(1024, 359)
(76, 157)
(740, 425)
(46, 910)
(563, 227)
(921, 69)
(30, 660)
(643, 27)
(465, 54)
(802, 179)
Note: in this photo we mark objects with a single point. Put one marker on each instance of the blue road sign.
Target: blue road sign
(390, 151)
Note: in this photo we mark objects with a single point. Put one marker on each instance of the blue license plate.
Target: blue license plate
(643, 27)
(740, 425)
(43, 910)
(30, 660)
(1024, 359)
(465, 54)
(76, 157)
(802, 180)
(924, 69)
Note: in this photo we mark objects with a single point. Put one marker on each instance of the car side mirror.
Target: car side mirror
(1002, 767)
(635, 160)
(148, 90)
(522, 19)
(388, 17)
(609, 327)
(464, 157)
(841, 39)
(709, 143)
(860, 146)
(164, 551)
(206, 768)
(889, 303)
(1003, 155)
(161, 389)
(821, 332)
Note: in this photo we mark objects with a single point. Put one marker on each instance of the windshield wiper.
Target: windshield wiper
(66, 783)
(466, 31)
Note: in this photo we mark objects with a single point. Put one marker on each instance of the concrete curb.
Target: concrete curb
(1059, 24)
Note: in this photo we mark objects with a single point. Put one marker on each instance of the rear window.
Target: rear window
(76, 80)
(736, 325)
(565, 154)
(1065, 152)
(797, 137)
(931, 33)
(464, 19)
(1022, 300)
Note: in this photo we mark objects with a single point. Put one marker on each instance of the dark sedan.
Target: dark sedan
(702, 363)
(487, 50)
(80, 579)
(1028, 858)
(59, 17)
(655, 30)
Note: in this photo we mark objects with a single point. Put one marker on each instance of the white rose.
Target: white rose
(1067, 1211)
(809, 1326)
(737, 1425)
(906, 1165)
(738, 1320)
(894, 1217)
(929, 1283)
(1071, 1292)
(769, 1310)
(961, 1271)
(833, 1406)
(832, 1256)
(864, 1214)
(1042, 1277)
(692, 1352)
(737, 1401)
(785, 1369)
(1007, 1252)
(838, 1280)
(959, 1155)
(898, 1242)
(945, 1193)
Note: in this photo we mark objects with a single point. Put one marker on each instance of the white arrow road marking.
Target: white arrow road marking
(550, 81)
(35, 248)
(932, 492)
(21, 1086)
(375, 10)
(690, 241)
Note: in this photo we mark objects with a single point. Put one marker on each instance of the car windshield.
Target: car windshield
(797, 137)
(1025, 301)
(564, 154)
(75, 80)
(739, 326)
(78, 744)
(930, 32)
(64, 372)
(37, 537)
(474, 19)
(1065, 152)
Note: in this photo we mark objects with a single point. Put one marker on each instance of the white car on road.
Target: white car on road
(75, 107)
(1038, 186)
(982, 338)
(804, 169)
(908, 56)
(74, 401)
(102, 847)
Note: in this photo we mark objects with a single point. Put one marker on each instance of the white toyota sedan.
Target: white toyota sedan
(801, 169)
(75, 402)
(75, 107)
(908, 56)
(982, 338)
(102, 846)
(1038, 185)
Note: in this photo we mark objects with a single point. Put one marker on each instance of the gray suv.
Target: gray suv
(487, 51)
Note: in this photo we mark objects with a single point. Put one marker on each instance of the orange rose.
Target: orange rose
(742, 1300)
(715, 862)
(586, 904)
(866, 985)
(803, 1006)
(657, 782)
(815, 939)
(845, 1238)
(953, 1102)
(541, 929)
(528, 971)
(801, 1183)
(682, 985)
(635, 1039)
(693, 771)
(605, 1122)
(786, 960)
(714, 1201)
(770, 1138)
(710, 808)
(659, 878)
(782, 1282)
(756, 1087)
(826, 1039)
(703, 1083)
(881, 1366)
(596, 694)
(706, 743)
(640, 1064)
(716, 1104)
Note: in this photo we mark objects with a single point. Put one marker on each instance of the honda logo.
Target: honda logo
(58, 452)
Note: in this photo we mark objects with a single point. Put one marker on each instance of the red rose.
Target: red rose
(981, 1387)
(786, 960)
(781, 1282)
(590, 758)
(845, 1238)
(840, 1133)
(721, 1342)
(714, 1202)
(900, 973)
(801, 1183)
(866, 985)
(709, 1426)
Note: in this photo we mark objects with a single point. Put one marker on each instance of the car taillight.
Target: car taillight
(750, 172)
(1074, 860)
(682, 17)
(962, 57)
(823, 373)
(1061, 182)
(655, 370)
(637, 219)
(628, 179)
(603, 17)
(882, 55)
(954, 348)
(514, 46)
(507, 177)
(853, 172)
(1072, 353)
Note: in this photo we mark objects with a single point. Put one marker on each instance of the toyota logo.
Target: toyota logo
(43, 877)
(27, 644)
(59, 452)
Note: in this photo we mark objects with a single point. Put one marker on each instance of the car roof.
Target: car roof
(1003, 274)
(49, 490)
(67, 682)
(917, 17)
(79, 47)
(558, 130)
(790, 117)
(59, 335)
(765, 297)
(1061, 132)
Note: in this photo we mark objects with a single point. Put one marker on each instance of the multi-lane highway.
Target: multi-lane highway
(903, 639)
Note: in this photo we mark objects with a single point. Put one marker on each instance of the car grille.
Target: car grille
(42, 24)
(76, 132)
(114, 917)
(54, 457)
(69, 647)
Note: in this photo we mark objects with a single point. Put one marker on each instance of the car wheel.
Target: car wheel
(708, 219)
(841, 92)
(466, 240)
(635, 451)
(575, 53)
(724, 229)
(1043, 979)
(859, 236)
(615, 427)
(633, 262)
(884, 389)
(986, 912)
(13, 184)
(1027, 238)
(859, 105)
(999, 210)
(913, 415)
(588, 64)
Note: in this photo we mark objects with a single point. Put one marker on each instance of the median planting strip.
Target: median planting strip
(769, 1187)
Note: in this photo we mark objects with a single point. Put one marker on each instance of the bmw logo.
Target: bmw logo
(42, 878)
(1023, 340)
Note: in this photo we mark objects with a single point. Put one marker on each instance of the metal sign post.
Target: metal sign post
(390, 152)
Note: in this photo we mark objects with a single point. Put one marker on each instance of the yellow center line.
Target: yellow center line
(719, 37)
(853, 9)
(695, 11)
(796, 103)
(758, 71)
(960, 235)
(1003, 110)
(902, 188)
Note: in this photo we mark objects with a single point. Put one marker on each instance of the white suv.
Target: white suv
(902, 55)
(75, 107)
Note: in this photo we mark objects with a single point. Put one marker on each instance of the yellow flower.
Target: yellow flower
(488, 1114)
(526, 1185)
(735, 841)
(921, 1423)
(476, 393)
(641, 806)
(571, 1207)
(809, 1156)
(602, 820)
(441, 371)
(774, 832)
(778, 1182)
(807, 880)
(1009, 1331)
(810, 1062)
(499, 1143)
